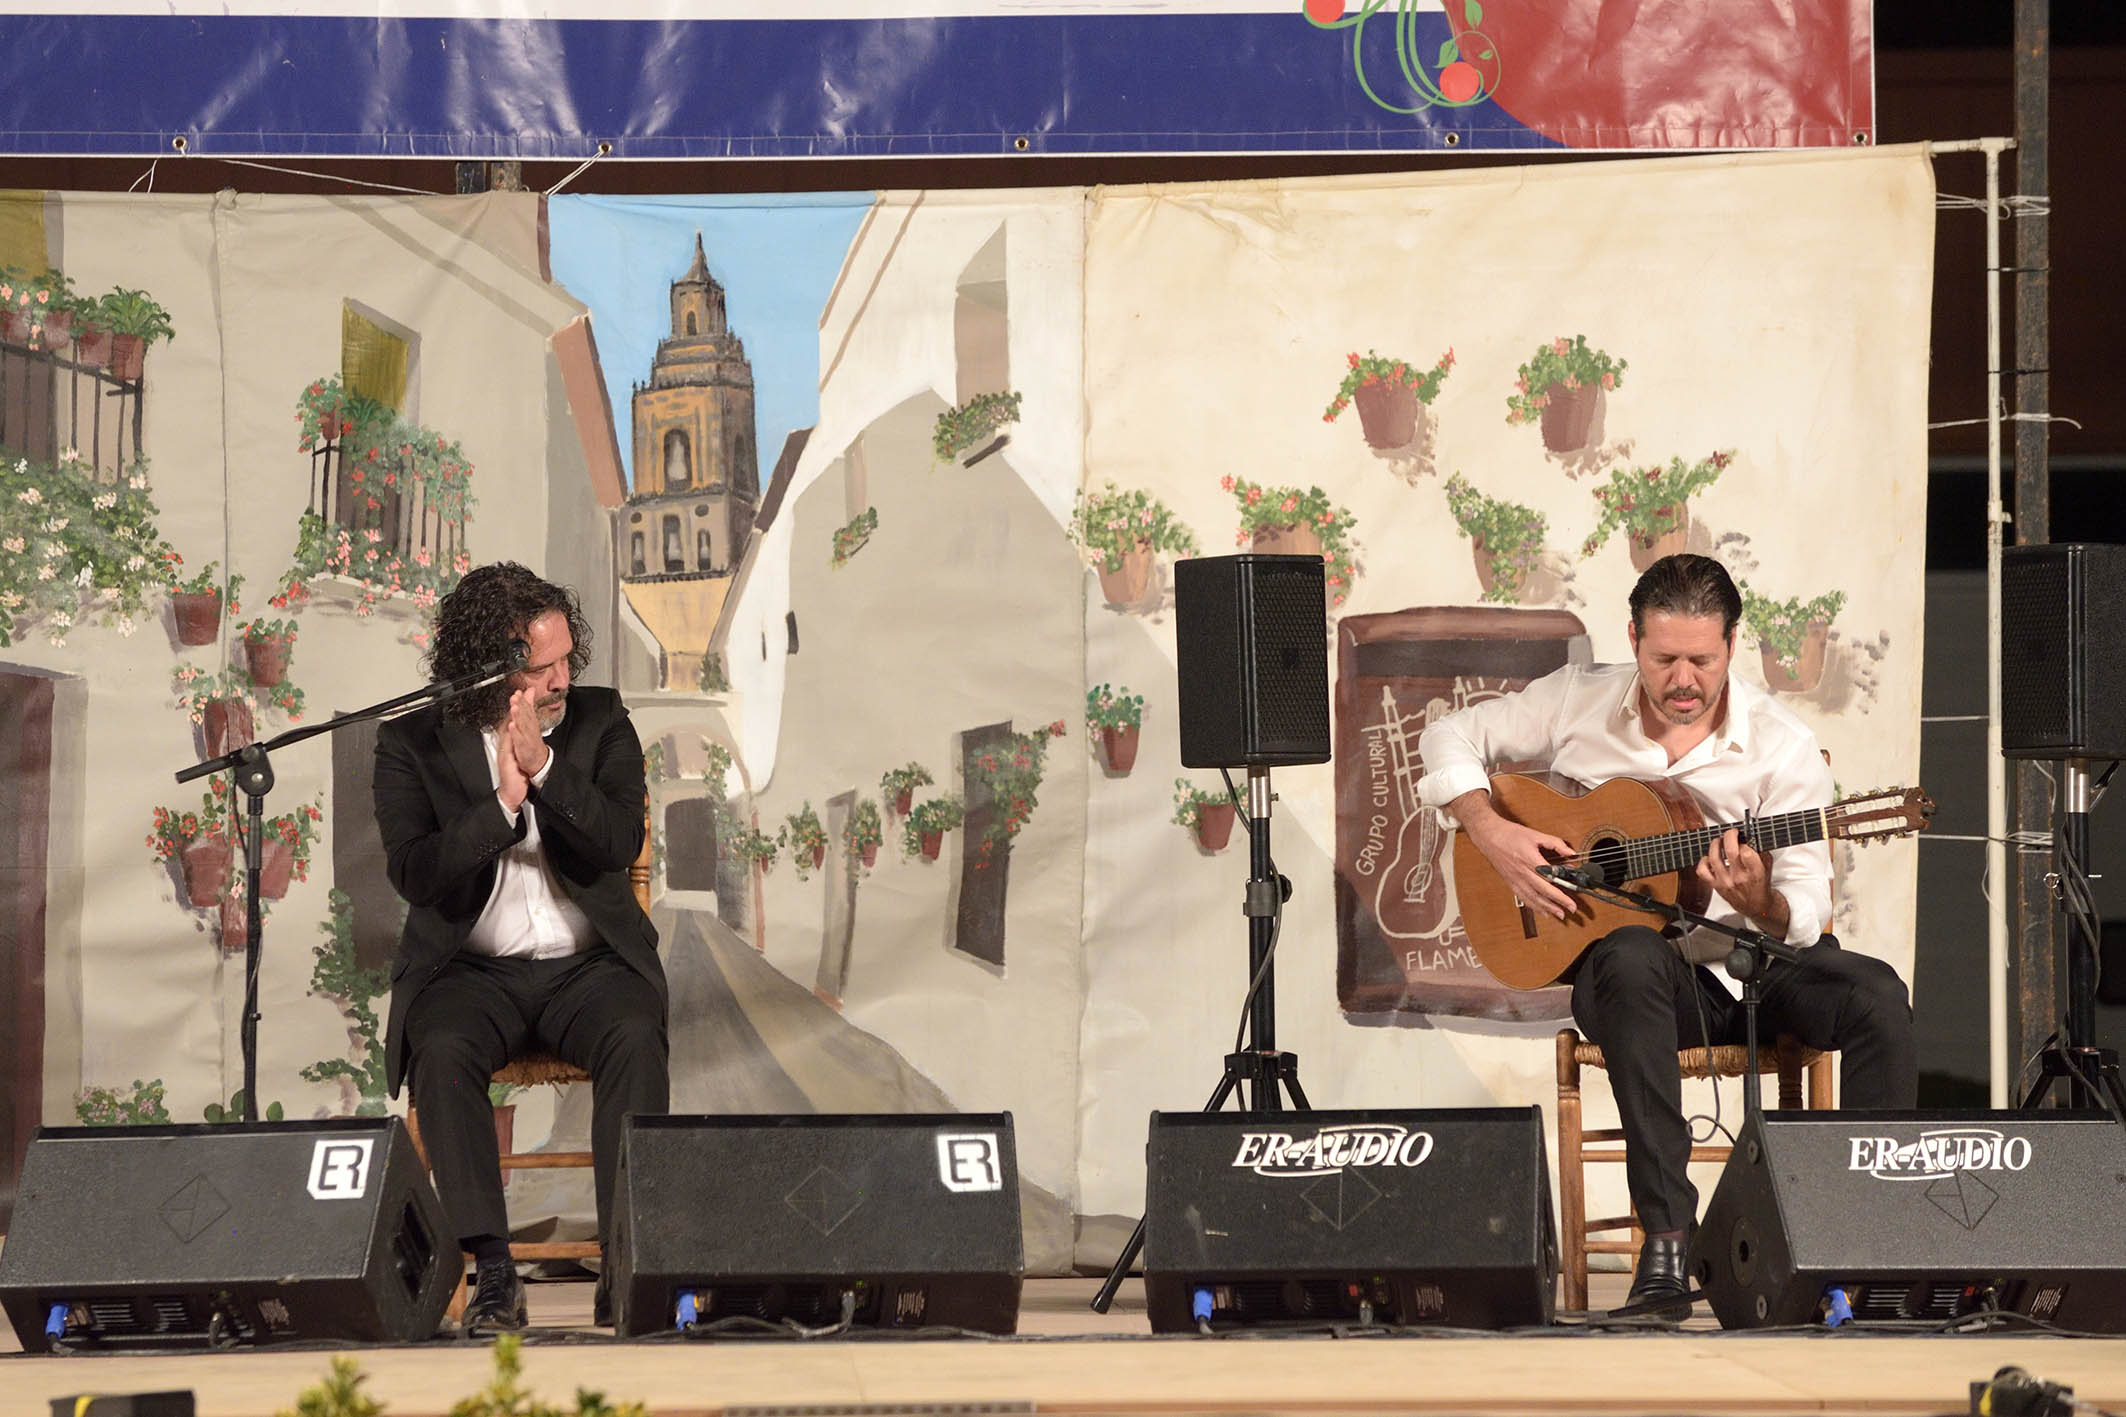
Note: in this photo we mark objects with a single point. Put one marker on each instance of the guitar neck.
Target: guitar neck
(1677, 851)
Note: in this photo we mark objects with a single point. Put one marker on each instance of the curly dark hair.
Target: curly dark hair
(474, 624)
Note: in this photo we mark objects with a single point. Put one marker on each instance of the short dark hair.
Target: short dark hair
(476, 621)
(1689, 585)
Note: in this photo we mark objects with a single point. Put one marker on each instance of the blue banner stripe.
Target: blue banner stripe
(734, 88)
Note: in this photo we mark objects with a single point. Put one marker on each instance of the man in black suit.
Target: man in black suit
(510, 816)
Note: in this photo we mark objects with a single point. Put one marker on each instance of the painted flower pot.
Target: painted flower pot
(198, 615)
(868, 853)
(129, 355)
(1487, 565)
(1127, 584)
(1214, 825)
(276, 868)
(933, 843)
(1806, 672)
(15, 326)
(901, 800)
(235, 924)
(268, 661)
(92, 346)
(328, 427)
(1568, 415)
(819, 856)
(58, 330)
(1645, 550)
(1287, 539)
(1387, 414)
(205, 863)
(227, 725)
(1119, 745)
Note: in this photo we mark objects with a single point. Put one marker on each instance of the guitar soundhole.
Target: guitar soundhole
(1606, 859)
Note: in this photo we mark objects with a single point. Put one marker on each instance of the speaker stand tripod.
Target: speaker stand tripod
(1269, 1074)
(2086, 1069)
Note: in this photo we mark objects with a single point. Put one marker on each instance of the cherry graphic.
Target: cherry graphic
(1460, 81)
(1324, 12)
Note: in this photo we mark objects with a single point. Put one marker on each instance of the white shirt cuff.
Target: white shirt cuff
(1437, 789)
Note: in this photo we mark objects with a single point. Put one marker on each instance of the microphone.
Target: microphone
(513, 661)
(1571, 876)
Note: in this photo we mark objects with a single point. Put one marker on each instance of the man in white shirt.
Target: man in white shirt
(1676, 713)
(510, 816)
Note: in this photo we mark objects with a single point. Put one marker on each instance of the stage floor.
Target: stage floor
(1069, 1359)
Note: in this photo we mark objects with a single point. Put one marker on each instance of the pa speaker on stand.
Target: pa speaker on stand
(2063, 697)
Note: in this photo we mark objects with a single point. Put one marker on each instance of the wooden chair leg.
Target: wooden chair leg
(1572, 1177)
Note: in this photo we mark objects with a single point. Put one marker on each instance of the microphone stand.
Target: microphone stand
(1745, 962)
(253, 767)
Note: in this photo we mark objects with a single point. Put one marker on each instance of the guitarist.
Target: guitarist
(1676, 712)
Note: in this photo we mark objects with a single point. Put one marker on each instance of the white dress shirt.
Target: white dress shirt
(1584, 721)
(527, 913)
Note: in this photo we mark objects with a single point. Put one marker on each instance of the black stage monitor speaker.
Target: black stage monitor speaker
(1252, 661)
(911, 1221)
(2063, 651)
(1433, 1217)
(1920, 1215)
(243, 1233)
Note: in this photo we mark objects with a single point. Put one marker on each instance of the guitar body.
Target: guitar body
(1525, 947)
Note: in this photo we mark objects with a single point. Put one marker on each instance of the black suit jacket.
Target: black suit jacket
(443, 828)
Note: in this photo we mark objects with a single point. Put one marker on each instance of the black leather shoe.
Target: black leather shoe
(1663, 1273)
(602, 1300)
(497, 1303)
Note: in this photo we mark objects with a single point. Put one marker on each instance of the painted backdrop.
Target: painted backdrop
(873, 501)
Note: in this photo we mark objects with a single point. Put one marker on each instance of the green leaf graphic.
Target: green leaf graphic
(1448, 53)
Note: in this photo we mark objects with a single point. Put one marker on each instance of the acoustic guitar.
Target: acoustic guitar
(1645, 836)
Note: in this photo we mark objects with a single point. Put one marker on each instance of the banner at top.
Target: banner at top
(909, 78)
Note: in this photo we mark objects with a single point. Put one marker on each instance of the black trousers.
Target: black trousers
(1634, 995)
(590, 1009)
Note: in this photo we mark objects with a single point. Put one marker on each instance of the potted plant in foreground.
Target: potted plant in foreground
(1561, 385)
(1121, 531)
(1652, 505)
(1119, 716)
(1791, 636)
(1506, 538)
(924, 830)
(1208, 814)
(1389, 393)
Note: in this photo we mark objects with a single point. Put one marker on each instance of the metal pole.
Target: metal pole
(2033, 977)
(1998, 1022)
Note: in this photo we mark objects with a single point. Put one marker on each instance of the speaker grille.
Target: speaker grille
(2039, 703)
(2063, 651)
(1290, 685)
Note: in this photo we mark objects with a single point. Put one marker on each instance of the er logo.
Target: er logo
(339, 1168)
(970, 1161)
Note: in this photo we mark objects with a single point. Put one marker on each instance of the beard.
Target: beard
(1703, 704)
(550, 712)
